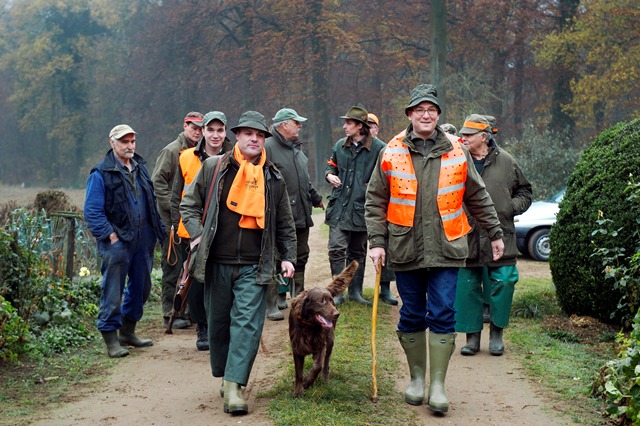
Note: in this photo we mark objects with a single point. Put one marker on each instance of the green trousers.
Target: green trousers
(469, 297)
(235, 306)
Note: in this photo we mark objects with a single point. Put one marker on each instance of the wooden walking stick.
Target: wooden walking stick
(374, 317)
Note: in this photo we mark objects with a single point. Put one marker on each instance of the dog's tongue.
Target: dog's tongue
(323, 321)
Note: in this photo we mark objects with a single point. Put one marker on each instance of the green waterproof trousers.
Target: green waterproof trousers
(469, 297)
(235, 306)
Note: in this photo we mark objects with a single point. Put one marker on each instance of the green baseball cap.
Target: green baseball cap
(214, 115)
(252, 120)
(358, 114)
(423, 93)
(287, 114)
(475, 123)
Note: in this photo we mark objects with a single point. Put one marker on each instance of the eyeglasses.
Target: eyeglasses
(420, 111)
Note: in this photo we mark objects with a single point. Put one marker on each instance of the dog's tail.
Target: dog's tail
(341, 281)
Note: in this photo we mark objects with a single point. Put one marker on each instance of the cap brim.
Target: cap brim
(468, 131)
(355, 119)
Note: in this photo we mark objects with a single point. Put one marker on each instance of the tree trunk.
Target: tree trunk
(439, 51)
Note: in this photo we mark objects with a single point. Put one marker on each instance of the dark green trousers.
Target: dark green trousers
(469, 297)
(235, 306)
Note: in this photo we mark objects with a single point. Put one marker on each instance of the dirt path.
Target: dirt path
(148, 387)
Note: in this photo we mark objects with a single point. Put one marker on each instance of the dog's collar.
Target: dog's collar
(305, 322)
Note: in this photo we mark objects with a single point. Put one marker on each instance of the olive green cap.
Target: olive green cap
(252, 120)
(475, 123)
(358, 114)
(423, 93)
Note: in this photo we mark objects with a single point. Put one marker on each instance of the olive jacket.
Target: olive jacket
(294, 167)
(163, 174)
(278, 236)
(511, 194)
(425, 245)
(345, 208)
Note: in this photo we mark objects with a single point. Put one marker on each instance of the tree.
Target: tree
(602, 46)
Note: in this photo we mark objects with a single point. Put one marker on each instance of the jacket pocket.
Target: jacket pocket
(456, 249)
(401, 245)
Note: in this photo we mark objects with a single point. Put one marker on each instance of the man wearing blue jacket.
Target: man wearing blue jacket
(120, 211)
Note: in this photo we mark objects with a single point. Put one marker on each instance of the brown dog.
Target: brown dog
(312, 323)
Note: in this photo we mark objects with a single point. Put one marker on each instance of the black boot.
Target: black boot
(202, 342)
(473, 344)
(113, 346)
(486, 313)
(385, 293)
(127, 335)
(355, 287)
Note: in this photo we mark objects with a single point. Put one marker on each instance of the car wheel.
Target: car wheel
(539, 247)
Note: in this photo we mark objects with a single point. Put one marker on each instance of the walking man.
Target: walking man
(348, 170)
(415, 208)
(247, 227)
(214, 141)
(163, 176)
(284, 149)
(120, 211)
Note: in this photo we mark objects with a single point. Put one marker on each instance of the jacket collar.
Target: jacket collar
(441, 146)
(366, 142)
(110, 162)
(281, 139)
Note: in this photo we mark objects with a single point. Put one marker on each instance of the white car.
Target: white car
(532, 227)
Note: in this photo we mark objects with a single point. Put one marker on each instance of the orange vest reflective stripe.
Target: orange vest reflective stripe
(403, 186)
(190, 165)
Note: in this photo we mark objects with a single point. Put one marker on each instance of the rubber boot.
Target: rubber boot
(486, 313)
(113, 346)
(441, 347)
(202, 340)
(473, 344)
(415, 348)
(355, 287)
(297, 286)
(385, 293)
(273, 313)
(339, 298)
(282, 301)
(222, 388)
(234, 402)
(496, 347)
(127, 335)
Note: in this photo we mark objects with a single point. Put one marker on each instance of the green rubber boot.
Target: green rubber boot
(113, 346)
(441, 347)
(127, 335)
(234, 402)
(415, 347)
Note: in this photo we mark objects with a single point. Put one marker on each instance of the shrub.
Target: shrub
(595, 189)
(14, 333)
(619, 379)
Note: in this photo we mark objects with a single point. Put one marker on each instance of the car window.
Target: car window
(558, 196)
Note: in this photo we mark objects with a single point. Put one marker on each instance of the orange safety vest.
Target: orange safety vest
(190, 165)
(403, 186)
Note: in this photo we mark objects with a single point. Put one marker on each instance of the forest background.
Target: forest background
(554, 72)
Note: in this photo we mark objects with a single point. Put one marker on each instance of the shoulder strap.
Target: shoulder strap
(211, 185)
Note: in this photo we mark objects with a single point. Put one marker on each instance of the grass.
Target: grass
(562, 368)
(346, 399)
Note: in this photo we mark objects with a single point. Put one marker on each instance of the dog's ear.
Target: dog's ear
(304, 309)
(341, 282)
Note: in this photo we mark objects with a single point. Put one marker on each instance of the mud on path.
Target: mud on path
(171, 384)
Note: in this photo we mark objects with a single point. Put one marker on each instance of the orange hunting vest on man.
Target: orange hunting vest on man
(190, 165)
(403, 187)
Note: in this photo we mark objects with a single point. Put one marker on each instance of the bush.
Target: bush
(595, 190)
(619, 380)
(14, 333)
